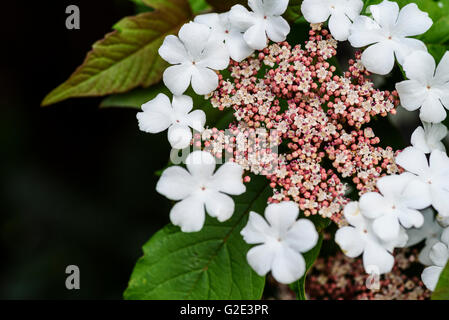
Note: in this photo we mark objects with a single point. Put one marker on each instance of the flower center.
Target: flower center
(265, 17)
(428, 87)
(226, 31)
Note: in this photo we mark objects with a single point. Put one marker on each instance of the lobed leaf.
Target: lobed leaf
(442, 289)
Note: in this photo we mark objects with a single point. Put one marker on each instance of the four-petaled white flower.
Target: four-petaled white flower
(281, 241)
(359, 238)
(341, 12)
(430, 232)
(195, 55)
(159, 115)
(401, 196)
(428, 137)
(428, 88)
(389, 32)
(199, 187)
(265, 20)
(224, 31)
(439, 255)
(434, 173)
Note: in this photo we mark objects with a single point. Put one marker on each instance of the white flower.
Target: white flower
(428, 88)
(341, 12)
(430, 231)
(199, 187)
(159, 115)
(281, 241)
(428, 137)
(439, 255)
(264, 21)
(195, 56)
(443, 220)
(434, 173)
(223, 31)
(359, 238)
(401, 196)
(388, 33)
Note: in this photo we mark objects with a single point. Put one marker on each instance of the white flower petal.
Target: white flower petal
(353, 215)
(407, 46)
(339, 25)
(201, 164)
(386, 227)
(413, 160)
(411, 218)
(194, 36)
(302, 236)
(412, 21)
(386, 14)
(260, 258)
(175, 183)
(364, 31)
(412, 94)
(350, 241)
(228, 179)
(188, 214)
(425, 252)
(241, 18)
(420, 66)
(376, 256)
(288, 265)
(440, 200)
(212, 20)
(215, 56)
(177, 78)
(445, 237)
(237, 46)
(196, 120)
(393, 185)
(442, 72)
(315, 11)
(277, 29)
(379, 58)
(372, 205)
(432, 110)
(182, 105)
(204, 80)
(257, 6)
(430, 277)
(219, 205)
(156, 116)
(179, 136)
(439, 254)
(275, 7)
(418, 140)
(416, 194)
(256, 37)
(256, 230)
(173, 50)
(281, 216)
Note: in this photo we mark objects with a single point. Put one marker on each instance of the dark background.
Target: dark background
(76, 182)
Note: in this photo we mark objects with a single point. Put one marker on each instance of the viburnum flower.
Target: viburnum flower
(159, 115)
(341, 12)
(388, 32)
(430, 232)
(428, 137)
(224, 31)
(439, 255)
(264, 21)
(427, 89)
(199, 187)
(195, 56)
(434, 173)
(400, 198)
(281, 241)
(359, 238)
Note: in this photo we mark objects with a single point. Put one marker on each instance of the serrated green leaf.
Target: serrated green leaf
(210, 264)
(293, 12)
(198, 6)
(441, 291)
(128, 57)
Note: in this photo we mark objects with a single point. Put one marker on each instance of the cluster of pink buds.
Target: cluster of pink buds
(314, 123)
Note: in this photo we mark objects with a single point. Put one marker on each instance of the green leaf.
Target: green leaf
(309, 257)
(134, 98)
(128, 57)
(210, 264)
(442, 289)
(198, 6)
(293, 12)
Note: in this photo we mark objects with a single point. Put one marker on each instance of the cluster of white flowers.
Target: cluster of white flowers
(380, 221)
